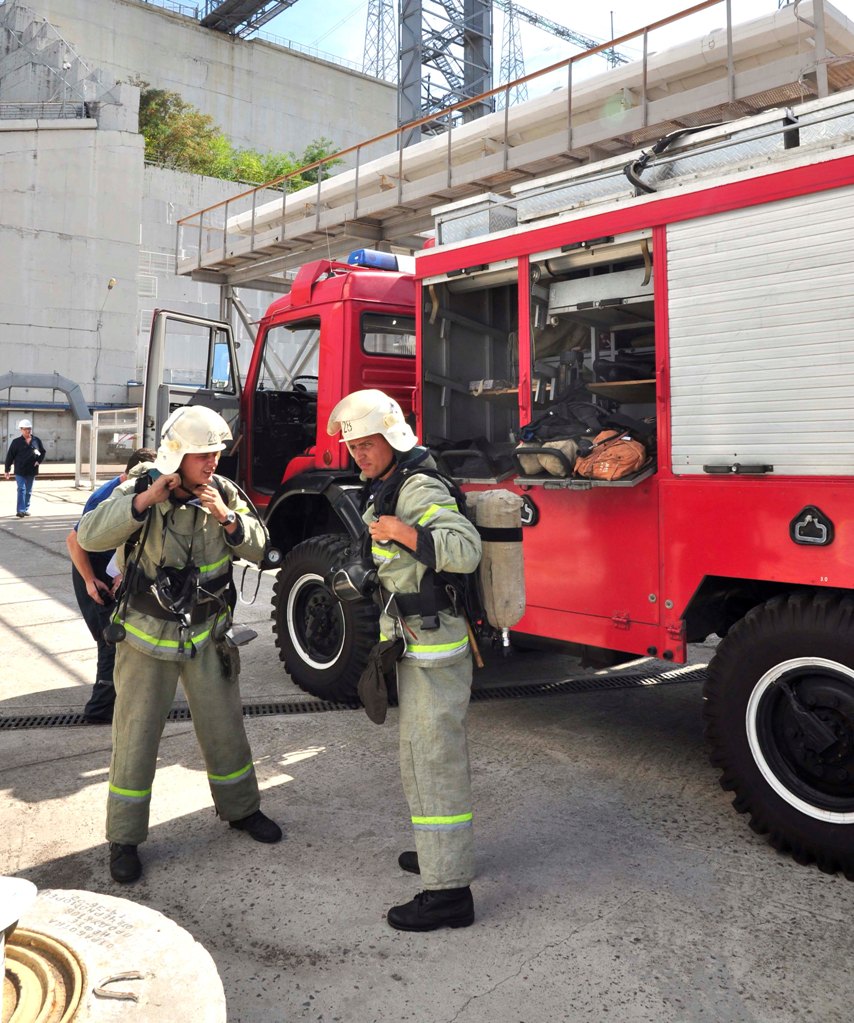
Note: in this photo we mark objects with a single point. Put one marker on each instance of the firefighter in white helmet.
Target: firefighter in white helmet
(179, 527)
(417, 533)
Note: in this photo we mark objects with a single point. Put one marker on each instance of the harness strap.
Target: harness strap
(410, 604)
(146, 604)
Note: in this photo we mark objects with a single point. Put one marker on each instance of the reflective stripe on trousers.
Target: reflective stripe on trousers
(434, 767)
(145, 689)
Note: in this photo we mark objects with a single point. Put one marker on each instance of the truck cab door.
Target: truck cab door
(192, 361)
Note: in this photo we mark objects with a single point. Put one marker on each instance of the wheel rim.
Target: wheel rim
(315, 622)
(800, 727)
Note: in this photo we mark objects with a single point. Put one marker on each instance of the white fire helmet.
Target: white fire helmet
(25, 424)
(190, 430)
(364, 413)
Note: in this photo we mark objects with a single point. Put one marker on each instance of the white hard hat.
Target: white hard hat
(190, 430)
(364, 413)
(25, 424)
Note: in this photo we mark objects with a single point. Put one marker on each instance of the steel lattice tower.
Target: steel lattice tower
(381, 41)
(512, 61)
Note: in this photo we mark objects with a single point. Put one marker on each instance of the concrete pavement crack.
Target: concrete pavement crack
(525, 964)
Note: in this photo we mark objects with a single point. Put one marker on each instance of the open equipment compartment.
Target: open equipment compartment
(592, 344)
(470, 371)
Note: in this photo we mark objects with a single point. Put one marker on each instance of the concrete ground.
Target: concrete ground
(615, 880)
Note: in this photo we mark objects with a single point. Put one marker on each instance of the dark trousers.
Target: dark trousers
(97, 618)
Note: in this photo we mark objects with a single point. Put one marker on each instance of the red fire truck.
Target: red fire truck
(704, 290)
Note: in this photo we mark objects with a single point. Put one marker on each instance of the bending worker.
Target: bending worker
(95, 592)
(413, 536)
(186, 526)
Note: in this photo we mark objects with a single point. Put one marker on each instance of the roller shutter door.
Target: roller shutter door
(762, 337)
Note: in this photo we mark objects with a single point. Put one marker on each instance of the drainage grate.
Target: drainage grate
(311, 705)
(308, 705)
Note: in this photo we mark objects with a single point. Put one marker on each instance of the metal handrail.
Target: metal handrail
(210, 214)
(568, 62)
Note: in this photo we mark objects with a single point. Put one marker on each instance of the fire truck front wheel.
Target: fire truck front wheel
(323, 642)
(779, 711)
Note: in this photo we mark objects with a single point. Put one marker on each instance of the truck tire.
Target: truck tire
(779, 715)
(323, 642)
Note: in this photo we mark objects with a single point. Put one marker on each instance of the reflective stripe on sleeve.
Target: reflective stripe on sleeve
(434, 510)
(384, 553)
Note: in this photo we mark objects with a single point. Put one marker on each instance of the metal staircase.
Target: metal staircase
(41, 75)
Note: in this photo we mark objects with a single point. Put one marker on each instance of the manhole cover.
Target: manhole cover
(44, 981)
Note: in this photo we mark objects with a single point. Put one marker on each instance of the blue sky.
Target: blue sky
(338, 26)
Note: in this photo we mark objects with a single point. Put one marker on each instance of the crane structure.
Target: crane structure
(511, 8)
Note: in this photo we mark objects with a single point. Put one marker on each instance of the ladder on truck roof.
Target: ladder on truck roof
(798, 52)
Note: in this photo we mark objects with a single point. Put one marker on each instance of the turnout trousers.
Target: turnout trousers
(434, 767)
(145, 689)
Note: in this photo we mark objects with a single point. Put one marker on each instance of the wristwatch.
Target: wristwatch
(227, 521)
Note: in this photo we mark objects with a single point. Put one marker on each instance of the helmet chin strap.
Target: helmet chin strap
(388, 469)
(183, 486)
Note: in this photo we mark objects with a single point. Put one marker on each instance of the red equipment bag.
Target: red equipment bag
(614, 455)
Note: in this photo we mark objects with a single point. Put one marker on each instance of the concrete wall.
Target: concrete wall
(263, 96)
(166, 196)
(69, 221)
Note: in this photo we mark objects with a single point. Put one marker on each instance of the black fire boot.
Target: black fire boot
(125, 866)
(451, 907)
(409, 861)
(259, 827)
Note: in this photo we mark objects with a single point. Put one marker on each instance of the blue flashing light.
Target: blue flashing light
(373, 259)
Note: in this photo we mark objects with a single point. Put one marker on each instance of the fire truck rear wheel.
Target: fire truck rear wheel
(779, 713)
(323, 642)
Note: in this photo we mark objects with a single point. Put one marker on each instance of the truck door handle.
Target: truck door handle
(737, 469)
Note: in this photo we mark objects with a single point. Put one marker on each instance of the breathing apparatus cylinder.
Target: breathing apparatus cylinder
(498, 515)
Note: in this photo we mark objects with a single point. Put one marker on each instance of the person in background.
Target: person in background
(95, 591)
(25, 453)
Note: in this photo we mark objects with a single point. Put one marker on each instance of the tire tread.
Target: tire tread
(817, 616)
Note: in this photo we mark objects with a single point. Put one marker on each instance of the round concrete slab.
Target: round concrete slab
(131, 954)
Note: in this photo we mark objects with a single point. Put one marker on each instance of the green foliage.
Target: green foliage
(179, 136)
